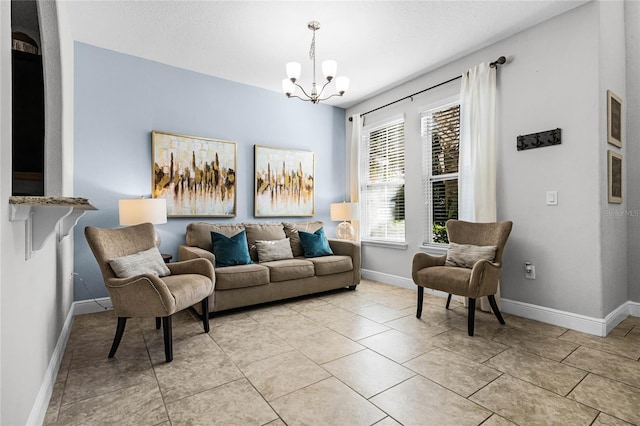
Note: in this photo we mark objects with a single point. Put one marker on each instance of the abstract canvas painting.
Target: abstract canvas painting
(284, 182)
(197, 176)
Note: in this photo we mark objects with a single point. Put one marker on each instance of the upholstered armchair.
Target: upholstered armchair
(141, 285)
(471, 267)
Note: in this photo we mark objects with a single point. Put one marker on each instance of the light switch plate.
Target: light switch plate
(552, 198)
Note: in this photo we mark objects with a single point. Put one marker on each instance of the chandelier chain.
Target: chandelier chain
(312, 49)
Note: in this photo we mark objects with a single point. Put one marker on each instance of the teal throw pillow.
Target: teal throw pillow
(230, 251)
(316, 244)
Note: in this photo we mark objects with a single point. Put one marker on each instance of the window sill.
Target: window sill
(435, 249)
(385, 244)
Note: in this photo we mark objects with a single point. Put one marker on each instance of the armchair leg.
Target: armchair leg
(448, 300)
(494, 308)
(205, 314)
(122, 322)
(168, 339)
(158, 323)
(471, 315)
(420, 298)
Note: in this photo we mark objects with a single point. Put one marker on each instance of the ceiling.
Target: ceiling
(377, 44)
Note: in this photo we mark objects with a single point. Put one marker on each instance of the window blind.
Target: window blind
(383, 183)
(441, 142)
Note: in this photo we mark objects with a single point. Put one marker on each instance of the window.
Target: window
(441, 139)
(382, 187)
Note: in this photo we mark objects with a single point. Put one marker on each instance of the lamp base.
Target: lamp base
(156, 239)
(345, 231)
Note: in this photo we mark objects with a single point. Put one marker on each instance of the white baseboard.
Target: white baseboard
(91, 306)
(39, 409)
(368, 274)
(634, 309)
(552, 316)
(582, 323)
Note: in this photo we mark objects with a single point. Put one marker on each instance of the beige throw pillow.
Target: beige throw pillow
(274, 250)
(466, 255)
(144, 262)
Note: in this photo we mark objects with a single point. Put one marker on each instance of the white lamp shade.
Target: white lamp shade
(287, 86)
(344, 211)
(293, 70)
(329, 69)
(342, 84)
(142, 210)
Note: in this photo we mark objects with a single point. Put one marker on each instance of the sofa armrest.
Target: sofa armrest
(193, 266)
(189, 252)
(351, 249)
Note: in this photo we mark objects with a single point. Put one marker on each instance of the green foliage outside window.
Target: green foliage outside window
(440, 234)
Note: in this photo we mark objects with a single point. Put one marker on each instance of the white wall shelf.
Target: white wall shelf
(44, 215)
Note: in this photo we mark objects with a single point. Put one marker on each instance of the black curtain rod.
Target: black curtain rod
(501, 60)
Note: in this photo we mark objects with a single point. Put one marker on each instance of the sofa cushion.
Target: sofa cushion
(292, 229)
(315, 244)
(466, 255)
(230, 251)
(145, 262)
(273, 250)
(328, 265)
(262, 232)
(241, 276)
(289, 269)
(199, 233)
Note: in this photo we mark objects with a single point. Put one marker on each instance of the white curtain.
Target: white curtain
(477, 175)
(354, 167)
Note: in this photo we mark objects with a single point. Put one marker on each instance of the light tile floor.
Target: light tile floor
(348, 358)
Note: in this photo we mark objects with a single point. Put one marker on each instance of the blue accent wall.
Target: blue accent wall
(120, 99)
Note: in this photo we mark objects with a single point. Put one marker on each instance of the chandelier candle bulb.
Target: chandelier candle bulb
(293, 71)
(329, 69)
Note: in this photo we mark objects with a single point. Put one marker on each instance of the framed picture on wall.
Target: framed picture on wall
(284, 182)
(614, 119)
(197, 176)
(615, 177)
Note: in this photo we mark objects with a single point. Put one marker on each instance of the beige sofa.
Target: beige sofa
(251, 284)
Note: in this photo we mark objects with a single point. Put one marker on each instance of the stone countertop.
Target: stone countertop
(75, 202)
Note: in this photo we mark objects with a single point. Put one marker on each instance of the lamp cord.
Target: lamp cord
(89, 291)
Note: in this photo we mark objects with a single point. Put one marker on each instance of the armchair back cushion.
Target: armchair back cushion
(108, 244)
(480, 234)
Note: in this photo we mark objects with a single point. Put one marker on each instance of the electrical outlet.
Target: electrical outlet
(529, 271)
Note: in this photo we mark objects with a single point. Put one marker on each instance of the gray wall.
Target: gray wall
(632, 32)
(120, 99)
(555, 77)
(613, 219)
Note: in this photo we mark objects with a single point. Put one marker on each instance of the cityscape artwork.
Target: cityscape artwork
(197, 176)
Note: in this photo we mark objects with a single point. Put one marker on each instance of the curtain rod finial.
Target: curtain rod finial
(500, 61)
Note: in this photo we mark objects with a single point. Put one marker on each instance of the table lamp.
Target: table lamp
(345, 212)
(142, 210)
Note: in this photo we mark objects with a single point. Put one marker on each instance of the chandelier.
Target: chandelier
(329, 69)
